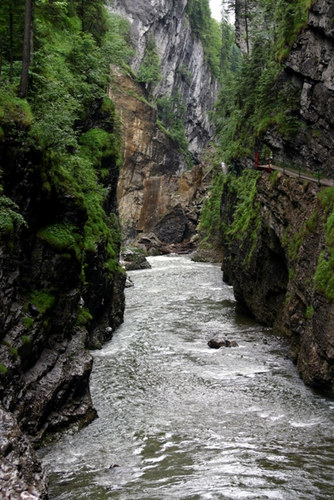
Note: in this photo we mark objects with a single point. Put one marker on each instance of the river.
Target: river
(178, 420)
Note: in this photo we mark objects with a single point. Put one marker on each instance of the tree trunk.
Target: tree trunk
(246, 26)
(1, 44)
(26, 56)
(11, 43)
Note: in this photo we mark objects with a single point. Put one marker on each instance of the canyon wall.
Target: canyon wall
(309, 69)
(158, 195)
(182, 61)
(280, 265)
(307, 79)
(57, 299)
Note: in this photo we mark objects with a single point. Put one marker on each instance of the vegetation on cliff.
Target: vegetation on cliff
(59, 229)
(250, 100)
(209, 32)
(68, 79)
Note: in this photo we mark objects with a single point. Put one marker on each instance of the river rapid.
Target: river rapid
(178, 420)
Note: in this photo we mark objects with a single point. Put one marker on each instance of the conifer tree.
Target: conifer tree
(27, 47)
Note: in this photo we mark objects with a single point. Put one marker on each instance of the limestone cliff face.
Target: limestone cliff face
(155, 191)
(272, 270)
(183, 65)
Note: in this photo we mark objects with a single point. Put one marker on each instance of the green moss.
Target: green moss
(324, 275)
(97, 144)
(42, 299)
(12, 350)
(83, 317)
(14, 110)
(149, 70)
(3, 369)
(309, 312)
(63, 237)
(247, 207)
(10, 218)
(28, 322)
(294, 245)
(25, 339)
(210, 220)
(312, 223)
(244, 224)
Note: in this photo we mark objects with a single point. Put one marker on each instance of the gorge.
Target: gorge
(85, 169)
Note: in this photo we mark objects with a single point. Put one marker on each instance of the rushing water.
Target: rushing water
(178, 420)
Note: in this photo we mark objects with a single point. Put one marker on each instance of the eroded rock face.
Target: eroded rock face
(274, 278)
(183, 65)
(49, 314)
(309, 70)
(157, 193)
(21, 475)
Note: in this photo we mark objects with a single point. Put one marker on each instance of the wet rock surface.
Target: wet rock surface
(21, 474)
(218, 342)
(274, 278)
(52, 309)
(134, 259)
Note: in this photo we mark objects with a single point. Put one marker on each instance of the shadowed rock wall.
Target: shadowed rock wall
(272, 270)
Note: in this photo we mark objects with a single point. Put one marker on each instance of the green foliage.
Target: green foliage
(246, 218)
(3, 369)
(13, 110)
(309, 312)
(28, 323)
(83, 317)
(313, 222)
(74, 44)
(208, 30)
(210, 220)
(42, 299)
(245, 221)
(97, 144)
(149, 70)
(118, 41)
(171, 116)
(10, 218)
(250, 102)
(63, 237)
(324, 275)
(292, 19)
(12, 350)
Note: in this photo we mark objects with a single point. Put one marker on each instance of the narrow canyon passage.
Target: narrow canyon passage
(179, 420)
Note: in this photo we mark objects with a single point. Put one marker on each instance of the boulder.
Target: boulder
(134, 259)
(216, 343)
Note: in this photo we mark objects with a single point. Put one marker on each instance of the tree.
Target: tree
(27, 47)
(149, 71)
(11, 32)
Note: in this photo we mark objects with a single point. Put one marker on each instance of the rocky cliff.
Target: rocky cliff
(158, 196)
(58, 297)
(182, 61)
(277, 254)
(309, 71)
